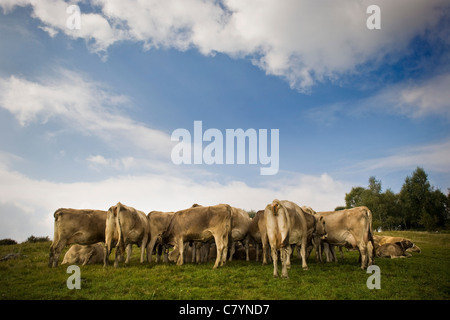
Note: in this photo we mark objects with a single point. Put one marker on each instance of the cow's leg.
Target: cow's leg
(150, 247)
(143, 247)
(285, 253)
(106, 252)
(363, 254)
(303, 254)
(55, 252)
(265, 249)
(287, 259)
(120, 252)
(319, 251)
(257, 251)
(246, 241)
(180, 245)
(129, 251)
(333, 254)
(219, 248)
(274, 253)
(166, 253)
(232, 250)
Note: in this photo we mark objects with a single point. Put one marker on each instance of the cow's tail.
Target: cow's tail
(370, 232)
(275, 207)
(118, 224)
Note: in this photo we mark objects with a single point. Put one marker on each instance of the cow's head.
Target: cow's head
(409, 245)
(321, 229)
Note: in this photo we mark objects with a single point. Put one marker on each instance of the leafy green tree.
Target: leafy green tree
(421, 204)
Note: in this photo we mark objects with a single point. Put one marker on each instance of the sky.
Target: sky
(91, 94)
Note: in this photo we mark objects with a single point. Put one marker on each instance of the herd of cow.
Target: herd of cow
(281, 226)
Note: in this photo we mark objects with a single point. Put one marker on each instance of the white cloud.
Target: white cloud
(80, 104)
(414, 99)
(301, 41)
(434, 157)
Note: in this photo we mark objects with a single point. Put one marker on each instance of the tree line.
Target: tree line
(418, 205)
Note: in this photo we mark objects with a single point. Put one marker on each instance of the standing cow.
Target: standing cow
(125, 226)
(239, 230)
(351, 228)
(258, 234)
(76, 226)
(158, 223)
(200, 224)
(278, 226)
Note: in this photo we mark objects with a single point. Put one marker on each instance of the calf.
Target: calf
(89, 254)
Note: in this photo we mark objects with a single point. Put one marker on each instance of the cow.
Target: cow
(258, 234)
(392, 250)
(158, 224)
(125, 226)
(89, 254)
(239, 230)
(405, 243)
(200, 224)
(76, 226)
(277, 227)
(351, 228)
(305, 230)
(316, 232)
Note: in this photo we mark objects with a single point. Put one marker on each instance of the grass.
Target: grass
(423, 276)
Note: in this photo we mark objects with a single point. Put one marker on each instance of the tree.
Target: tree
(421, 204)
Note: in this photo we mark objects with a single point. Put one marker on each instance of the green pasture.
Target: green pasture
(425, 275)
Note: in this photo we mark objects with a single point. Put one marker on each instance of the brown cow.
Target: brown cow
(351, 228)
(74, 226)
(125, 226)
(158, 224)
(239, 230)
(200, 224)
(278, 225)
(258, 234)
(90, 254)
(300, 229)
(392, 250)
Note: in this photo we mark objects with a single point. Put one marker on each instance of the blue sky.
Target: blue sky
(86, 115)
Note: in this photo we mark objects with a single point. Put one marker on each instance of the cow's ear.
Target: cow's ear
(321, 218)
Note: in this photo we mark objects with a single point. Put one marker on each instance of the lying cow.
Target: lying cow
(89, 254)
(125, 226)
(74, 226)
(392, 250)
(405, 243)
(158, 223)
(200, 224)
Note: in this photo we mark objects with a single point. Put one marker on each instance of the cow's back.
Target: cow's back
(81, 226)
